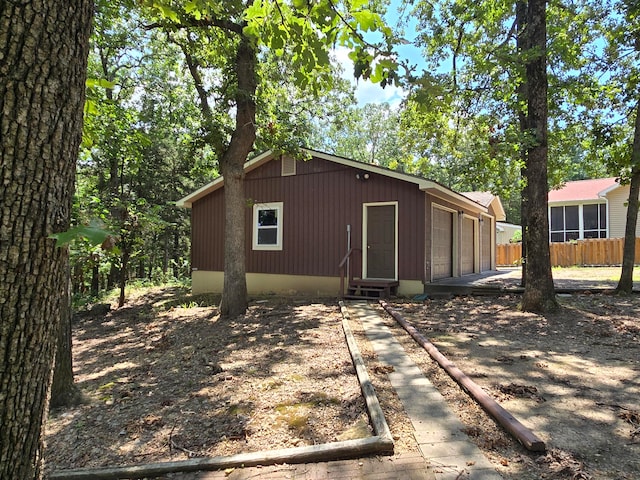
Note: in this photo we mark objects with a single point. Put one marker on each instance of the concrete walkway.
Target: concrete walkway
(437, 430)
(446, 453)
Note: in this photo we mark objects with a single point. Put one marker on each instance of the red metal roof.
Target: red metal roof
(582, 190)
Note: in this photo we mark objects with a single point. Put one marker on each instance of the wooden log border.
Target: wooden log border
(379, 423)
(381, 443)
(525, 436)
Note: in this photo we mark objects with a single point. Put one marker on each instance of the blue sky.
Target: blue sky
(367, 92)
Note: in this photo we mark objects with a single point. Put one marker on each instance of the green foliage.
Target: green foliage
(613, 98)
(141, 153)
(461, 117)
(160, 112)
(368, 134)
(94, 233)
(287, 116)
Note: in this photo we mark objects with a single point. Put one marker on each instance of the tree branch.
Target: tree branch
(206, 22)
(351, 28)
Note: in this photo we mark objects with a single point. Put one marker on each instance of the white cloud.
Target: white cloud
(365, 91)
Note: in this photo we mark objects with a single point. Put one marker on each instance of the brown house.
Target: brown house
(304, 216)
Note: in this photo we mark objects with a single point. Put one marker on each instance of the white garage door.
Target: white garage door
(467, 254)
(485, 258)
(442, 244)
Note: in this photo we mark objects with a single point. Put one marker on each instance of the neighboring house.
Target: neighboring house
(588, 209)
(506, 231)
(303, 216)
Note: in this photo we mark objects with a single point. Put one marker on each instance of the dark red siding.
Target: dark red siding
(207, 232)
(319, 202)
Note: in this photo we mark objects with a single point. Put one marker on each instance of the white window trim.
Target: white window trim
(278, 206)
(581, 228)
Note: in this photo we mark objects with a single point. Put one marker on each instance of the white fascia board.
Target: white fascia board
(573, 203)
(608, 190)
(425, 185)
(444, 193)
(366, 167)
(187, 202)
(501, 215)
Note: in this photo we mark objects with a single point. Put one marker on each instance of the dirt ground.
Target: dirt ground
(573, 377)
(166, 379)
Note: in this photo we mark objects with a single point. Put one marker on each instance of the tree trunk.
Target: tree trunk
(64, 392)
(175, 268)
(521, 91)
(625, 284)
(124, 272)
(44, 47)
(539, 293)
(112, 276)
(165, 254)
(95, 276)
(234, 295)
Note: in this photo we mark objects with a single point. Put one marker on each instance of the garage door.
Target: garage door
(442, 244)
(485, 258)
(467, 254)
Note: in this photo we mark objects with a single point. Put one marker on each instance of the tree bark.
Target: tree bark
(64, 391)
(625, 284)
(124, 270)
(95, 276)
(539, 293)
(234, 295)
(521, 91)
(44, 45)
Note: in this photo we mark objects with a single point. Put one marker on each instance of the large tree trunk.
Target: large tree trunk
(44, 47)
(234, 295)
(625, 284)
(539, 293)
(522, 46)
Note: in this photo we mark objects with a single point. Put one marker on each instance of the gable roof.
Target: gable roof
(488, 199)
(430, 186)
(581, 190)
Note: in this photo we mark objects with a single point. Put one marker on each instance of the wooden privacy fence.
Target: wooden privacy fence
(592, 252)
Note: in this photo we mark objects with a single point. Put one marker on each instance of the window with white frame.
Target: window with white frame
(595, 220)
(576, 222)
(267, 226)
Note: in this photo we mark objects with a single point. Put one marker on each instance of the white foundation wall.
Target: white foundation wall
(263, 283)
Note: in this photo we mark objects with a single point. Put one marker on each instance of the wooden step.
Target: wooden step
(363, 288)
(374, 283)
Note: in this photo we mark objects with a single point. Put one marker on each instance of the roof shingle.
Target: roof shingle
(582, 190)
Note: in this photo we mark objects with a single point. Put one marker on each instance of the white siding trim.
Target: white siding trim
(365, 219)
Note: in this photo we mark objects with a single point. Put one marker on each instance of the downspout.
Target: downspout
(348, 249)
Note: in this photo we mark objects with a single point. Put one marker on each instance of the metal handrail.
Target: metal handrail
(343, 272)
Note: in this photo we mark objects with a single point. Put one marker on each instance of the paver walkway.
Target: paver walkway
(437, 430)
(446, 453)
